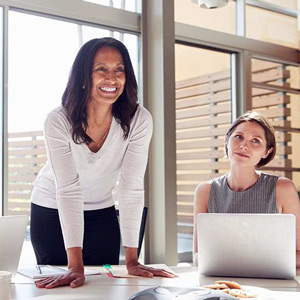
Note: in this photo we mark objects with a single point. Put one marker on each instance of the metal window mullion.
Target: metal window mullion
(241, 83)
(240, 18)
(5, 115)
(189, 34)
(82, 12)
(80, 35)
(234, 92)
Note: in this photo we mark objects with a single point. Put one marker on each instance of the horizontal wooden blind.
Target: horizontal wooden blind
(26, 156)
(203, 116)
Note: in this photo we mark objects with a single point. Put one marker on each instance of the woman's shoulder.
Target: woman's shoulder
(142, 114)
(57, 113)
(203, 187)
(284, 183)
(58, 118)
(142, 122)
(201, 197)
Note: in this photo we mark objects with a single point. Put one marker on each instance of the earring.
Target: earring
(83, 86)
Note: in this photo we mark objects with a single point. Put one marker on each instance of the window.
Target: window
(41, 53)
(271, 27)
(130, 5)
(275, 94)
(39, 66)
(221, 19)
(284, 3)
(203, 115)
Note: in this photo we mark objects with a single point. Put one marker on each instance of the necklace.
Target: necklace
(104, 136)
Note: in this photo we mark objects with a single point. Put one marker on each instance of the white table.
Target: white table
(101, 287)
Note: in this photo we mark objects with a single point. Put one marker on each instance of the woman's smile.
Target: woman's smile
(108, 89)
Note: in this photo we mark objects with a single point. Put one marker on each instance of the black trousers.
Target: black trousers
(101, 243)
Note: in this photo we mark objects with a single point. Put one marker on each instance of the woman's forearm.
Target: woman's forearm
(297, 259)
(75, 258)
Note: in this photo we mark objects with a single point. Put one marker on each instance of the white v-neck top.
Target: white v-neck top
(75, 179)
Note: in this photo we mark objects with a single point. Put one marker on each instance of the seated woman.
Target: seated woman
(249, 145)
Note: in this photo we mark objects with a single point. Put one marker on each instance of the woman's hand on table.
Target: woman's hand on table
(141, 270)
(135, 268)
(73, 277)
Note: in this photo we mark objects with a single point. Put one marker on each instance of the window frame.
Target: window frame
(138, 23)
(80, 13)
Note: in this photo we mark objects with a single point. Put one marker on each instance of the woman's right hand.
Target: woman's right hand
(73, 277)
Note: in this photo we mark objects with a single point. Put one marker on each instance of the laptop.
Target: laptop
(247, 245)
(12, 233)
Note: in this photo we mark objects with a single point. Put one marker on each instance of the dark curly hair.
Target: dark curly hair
(75, 97)
(252, 116)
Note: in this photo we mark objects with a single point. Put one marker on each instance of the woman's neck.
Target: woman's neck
(98, 115)
(241, 179)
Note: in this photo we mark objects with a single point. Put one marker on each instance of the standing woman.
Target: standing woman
(249, 144)
(98, 137)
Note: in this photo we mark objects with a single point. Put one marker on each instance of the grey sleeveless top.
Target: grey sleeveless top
(259, 199)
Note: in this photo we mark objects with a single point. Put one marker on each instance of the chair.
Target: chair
(142, 231)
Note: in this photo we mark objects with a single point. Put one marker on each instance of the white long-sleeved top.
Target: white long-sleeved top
(75, 179)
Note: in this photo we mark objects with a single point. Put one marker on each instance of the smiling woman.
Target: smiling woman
(99, 136)
(249, 144)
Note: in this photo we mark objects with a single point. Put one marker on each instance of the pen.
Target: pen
(107, 267)
(39, 269)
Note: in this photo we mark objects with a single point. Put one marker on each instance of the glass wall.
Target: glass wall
(272, 27)
(41, 53)
(284, 3)
(203, 114)
(39, 66)
(130, 5)
(221, 19)
(275, 93)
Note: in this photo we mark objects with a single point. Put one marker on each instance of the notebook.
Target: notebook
(247, 245)
(12, 233)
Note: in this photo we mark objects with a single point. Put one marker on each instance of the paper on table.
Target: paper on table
(87, 272)
(121, 271)
(50, 271)
(47, 271)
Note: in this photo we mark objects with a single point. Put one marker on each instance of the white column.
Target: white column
(159, 98)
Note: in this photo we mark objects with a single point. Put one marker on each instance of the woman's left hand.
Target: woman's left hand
(135, 268)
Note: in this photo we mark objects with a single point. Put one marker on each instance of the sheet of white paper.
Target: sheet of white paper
(88, 272)
(50, 271)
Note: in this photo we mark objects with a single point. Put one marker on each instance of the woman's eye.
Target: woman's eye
(120, 70)
(256, 141)
(238, 136)
(101, 69)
